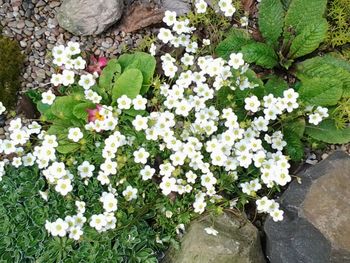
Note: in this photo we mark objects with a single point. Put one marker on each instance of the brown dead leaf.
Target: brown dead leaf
(27, 107)
(247, 5)
(139, 16)
(257, 35)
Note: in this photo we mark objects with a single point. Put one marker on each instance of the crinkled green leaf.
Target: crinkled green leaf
(260, 54)
(276, 85)
(296, 126)
(326, 67)
(235, 40)
(309, 39)
(294, 148)
(67, 147)
(301, 14)
(321, 91)
(327, 132)
(271, 15)
(63, 107)
(129, 83)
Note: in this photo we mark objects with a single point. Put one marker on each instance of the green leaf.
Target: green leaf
(270, 20)
(301, 14)
(294, 148)
(80, 112)
(45, 111)
(67, 148)
(260, 54)
(143, 62)
(109, 74)
(327, 132)
(275, 86)
(296, 126)
(321, 91)
(63, 107)
(309, 39)
(327, 66)
(129, 83)
(236, 39)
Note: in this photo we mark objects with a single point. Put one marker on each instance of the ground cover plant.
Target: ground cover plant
(129, 150)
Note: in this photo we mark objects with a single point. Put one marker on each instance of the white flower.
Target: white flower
(110, 203)
(73, 48)
(169, 18)
(56, 79)
(201, 6)
(58, 51)
(187, 59)
(244, 21)
(75, 233)
(75, 134)
(86, 169)
(48, 97)
(67, 77)
(44, 195)
(140, 123)
(277, 215)
(87, 81)
(211, 231)
(168, 185)
(165, 35)
(139, 103)
(2, 108)
(79, 63)
(124, 103)
(206, 42)
(130, 193)
(152, 49)
(98, 221)
(252, 104)
(58, 228)
(63, 186)
(236, 60)
(140, 156)
(147, 172)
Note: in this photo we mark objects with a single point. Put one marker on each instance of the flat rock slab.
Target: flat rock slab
(237, 241)
(89, 17)
(316, 228)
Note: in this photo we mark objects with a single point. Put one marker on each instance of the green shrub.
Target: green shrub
(11, 63)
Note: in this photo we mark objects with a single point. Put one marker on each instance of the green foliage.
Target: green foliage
(338, 16)
(293, 133)
(11, 63)
(260, 54)
(129, 83)
(271, 15)
(109, 75)
(276, 85)
(328, 132)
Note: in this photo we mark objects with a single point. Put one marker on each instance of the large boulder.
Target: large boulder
(237, 241)
(316, 228)
(89, 17)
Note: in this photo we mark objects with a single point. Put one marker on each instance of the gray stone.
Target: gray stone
(316, 225)
(181, 7)
(237, 241)
(89, 17)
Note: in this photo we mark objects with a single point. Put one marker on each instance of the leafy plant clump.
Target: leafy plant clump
(11, 63)
(128, 151)
(292, 30)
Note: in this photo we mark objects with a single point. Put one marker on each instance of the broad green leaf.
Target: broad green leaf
(294, 148)
(309, 39)
(66, 148)
(320, 91)
(143, 62)
(260, 54)
(327, 132)
(276, 86)
(297, 126)
(236, 39)
(80, 110)
(327, 67)
(301, 14)
(129, 83)
(45, 111)
(63, 107)
(271, 15)
(109, 74)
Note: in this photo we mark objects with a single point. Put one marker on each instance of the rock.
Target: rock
(237, 241)
(316, 225)
(181, 7)
(89, 17)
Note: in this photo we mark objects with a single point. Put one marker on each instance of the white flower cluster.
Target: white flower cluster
(71, 225)
(317, 115)
(104, 119)
(265, 205)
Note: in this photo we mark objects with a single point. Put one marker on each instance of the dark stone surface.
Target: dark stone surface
(316, 222)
